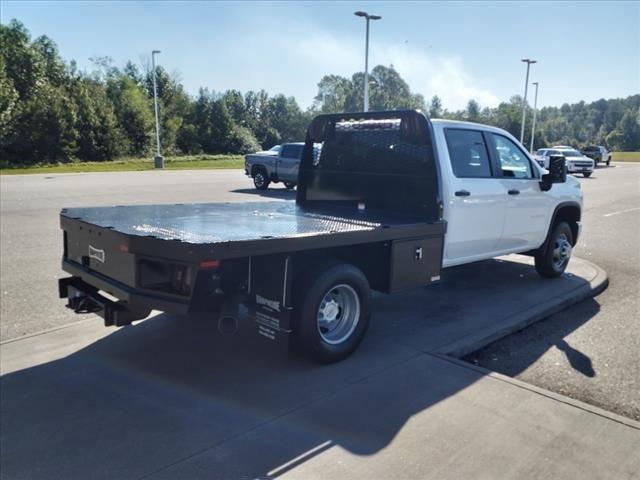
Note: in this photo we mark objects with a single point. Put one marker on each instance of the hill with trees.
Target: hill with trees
(52, 112)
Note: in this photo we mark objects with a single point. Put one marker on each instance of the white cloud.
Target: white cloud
(293, 63)
(442, 76)
(425, 74)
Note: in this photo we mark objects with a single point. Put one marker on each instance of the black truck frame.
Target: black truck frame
(368, 215)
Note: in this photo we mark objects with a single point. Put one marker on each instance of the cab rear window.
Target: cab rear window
(468, 153)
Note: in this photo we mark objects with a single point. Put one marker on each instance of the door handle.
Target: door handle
(514, 192)
(462, 193)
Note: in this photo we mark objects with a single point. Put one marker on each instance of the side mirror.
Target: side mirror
(557, 172)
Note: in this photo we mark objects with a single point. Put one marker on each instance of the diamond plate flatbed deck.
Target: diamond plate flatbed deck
(224, 226)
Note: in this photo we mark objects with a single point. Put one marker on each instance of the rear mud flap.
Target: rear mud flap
(269, 303)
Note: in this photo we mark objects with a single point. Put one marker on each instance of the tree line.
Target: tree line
(50, 111)
(614, 123)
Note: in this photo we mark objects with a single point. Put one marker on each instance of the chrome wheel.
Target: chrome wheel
(561, 251)
(338, 314)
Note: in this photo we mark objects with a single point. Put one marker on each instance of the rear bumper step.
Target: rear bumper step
(131, 298)
(83, 298)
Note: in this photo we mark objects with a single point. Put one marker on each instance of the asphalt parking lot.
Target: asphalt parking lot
(590, 352)
(169, 398)
(586, 352)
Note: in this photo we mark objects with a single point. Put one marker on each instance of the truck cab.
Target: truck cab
(494, 203)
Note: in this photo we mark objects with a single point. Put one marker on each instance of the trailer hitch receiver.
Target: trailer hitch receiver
(83, 298)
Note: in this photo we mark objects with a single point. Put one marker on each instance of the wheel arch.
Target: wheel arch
(569, 212)
(258, 166)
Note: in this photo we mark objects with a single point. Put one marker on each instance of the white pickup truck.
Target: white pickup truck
(576, 161)
(385, 201)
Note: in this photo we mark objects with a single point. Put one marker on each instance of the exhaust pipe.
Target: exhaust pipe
(227, 325)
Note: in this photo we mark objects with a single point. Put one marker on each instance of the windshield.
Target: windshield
(591, 149)
(275, 148)
(571, 153)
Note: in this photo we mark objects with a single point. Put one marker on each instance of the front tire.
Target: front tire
(553, 261)
(260, 180)
(289, 185)
(587, 174)
(333, 308)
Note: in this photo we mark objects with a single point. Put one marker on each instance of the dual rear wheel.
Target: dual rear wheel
(333, 308)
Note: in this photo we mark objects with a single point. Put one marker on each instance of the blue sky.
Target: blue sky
(585, 50)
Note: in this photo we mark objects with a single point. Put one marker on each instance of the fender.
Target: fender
(272, 176)
(554, 217)
(256, 166)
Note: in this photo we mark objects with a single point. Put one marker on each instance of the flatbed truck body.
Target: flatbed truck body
(368, 197)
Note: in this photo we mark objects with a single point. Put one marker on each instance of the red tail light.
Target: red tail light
(209, 264)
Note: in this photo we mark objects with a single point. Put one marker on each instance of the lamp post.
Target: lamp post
(366, 56)
(158, 160)
(535, 110)
(524, 104)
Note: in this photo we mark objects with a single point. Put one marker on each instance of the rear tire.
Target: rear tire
(260, 179)
(608, 161)
(333, 307)
(553, 261)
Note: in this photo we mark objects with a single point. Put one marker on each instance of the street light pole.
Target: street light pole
(159, 160)
(535, 110)
(524, 103)
(366, 56)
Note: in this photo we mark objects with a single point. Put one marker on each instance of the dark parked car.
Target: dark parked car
(598, 153)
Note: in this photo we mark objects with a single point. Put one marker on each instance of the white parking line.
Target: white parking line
(621, 211)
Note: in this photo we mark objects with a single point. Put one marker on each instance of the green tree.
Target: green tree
(626, 135)
(134, 114)
(435, 107)
(387, 91)
(333, 93)
(45, 128)
(8, 109)
(23, 64)
(99, 137)
(473, 111)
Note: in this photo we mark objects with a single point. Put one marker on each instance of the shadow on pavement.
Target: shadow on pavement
(578, 360)
(173, 397)
(271, 192)
(512, 355)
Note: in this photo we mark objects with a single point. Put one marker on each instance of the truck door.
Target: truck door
(289, 163)
(475, 202)
(528, 207)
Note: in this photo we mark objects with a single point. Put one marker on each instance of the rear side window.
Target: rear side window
(468, 153)
(291, 151)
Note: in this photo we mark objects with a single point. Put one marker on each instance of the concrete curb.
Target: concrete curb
(545, 393)
(506, 326)
(44, 332)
